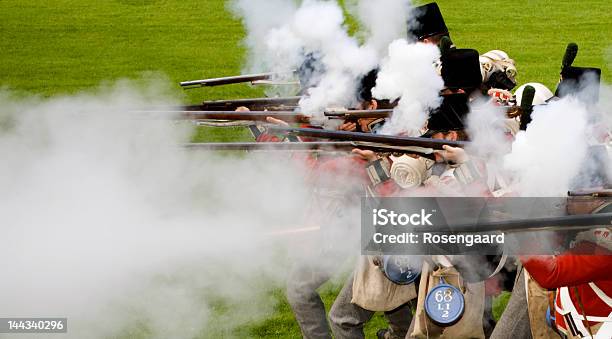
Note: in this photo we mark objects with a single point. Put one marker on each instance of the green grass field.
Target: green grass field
(57, 47)
(62, 46)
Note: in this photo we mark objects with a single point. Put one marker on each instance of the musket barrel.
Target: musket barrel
(368, 137)
(584, 221)
(288, 116)
(591, 193)
(345, 146)
(254, 104)
(359, 114)
(271, 146)
(228, 80)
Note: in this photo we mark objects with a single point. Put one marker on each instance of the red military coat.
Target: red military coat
(582, 279)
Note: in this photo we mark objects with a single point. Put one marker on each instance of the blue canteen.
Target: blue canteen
(444, 304)
(402, 270)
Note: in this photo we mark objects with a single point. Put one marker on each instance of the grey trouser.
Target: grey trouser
(307, 306)
(347, 320)
(514, 322)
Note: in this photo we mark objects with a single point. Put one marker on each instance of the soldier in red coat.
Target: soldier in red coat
(582, 281)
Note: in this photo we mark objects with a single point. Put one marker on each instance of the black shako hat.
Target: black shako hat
(583, 81)
(450, 115)
(461, 68)
(368, 82)
(428, 22)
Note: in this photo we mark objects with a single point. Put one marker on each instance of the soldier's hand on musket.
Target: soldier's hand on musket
(454, 155)
(276, 121)
(364, 125)
(348, 126)
(365, 154)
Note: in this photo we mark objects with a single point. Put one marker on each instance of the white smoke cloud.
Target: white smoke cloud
(382, 21)
(487, 127)
(108, 222)
(320, 25)
(259, 17)
(316, 27)
(604, 106)
(549, 154)
(408, 73)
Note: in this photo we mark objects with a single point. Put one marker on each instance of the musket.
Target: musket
(230, 80)
(352, 115)
(309, 146)
(254, 104)
(603, 192)
(260, 104)
(426, 144)
(287, 116)
(511, 111)
(569, 222)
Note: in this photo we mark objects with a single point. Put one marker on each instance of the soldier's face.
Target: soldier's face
(434, 40)
(451, 136)
(368, 105)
